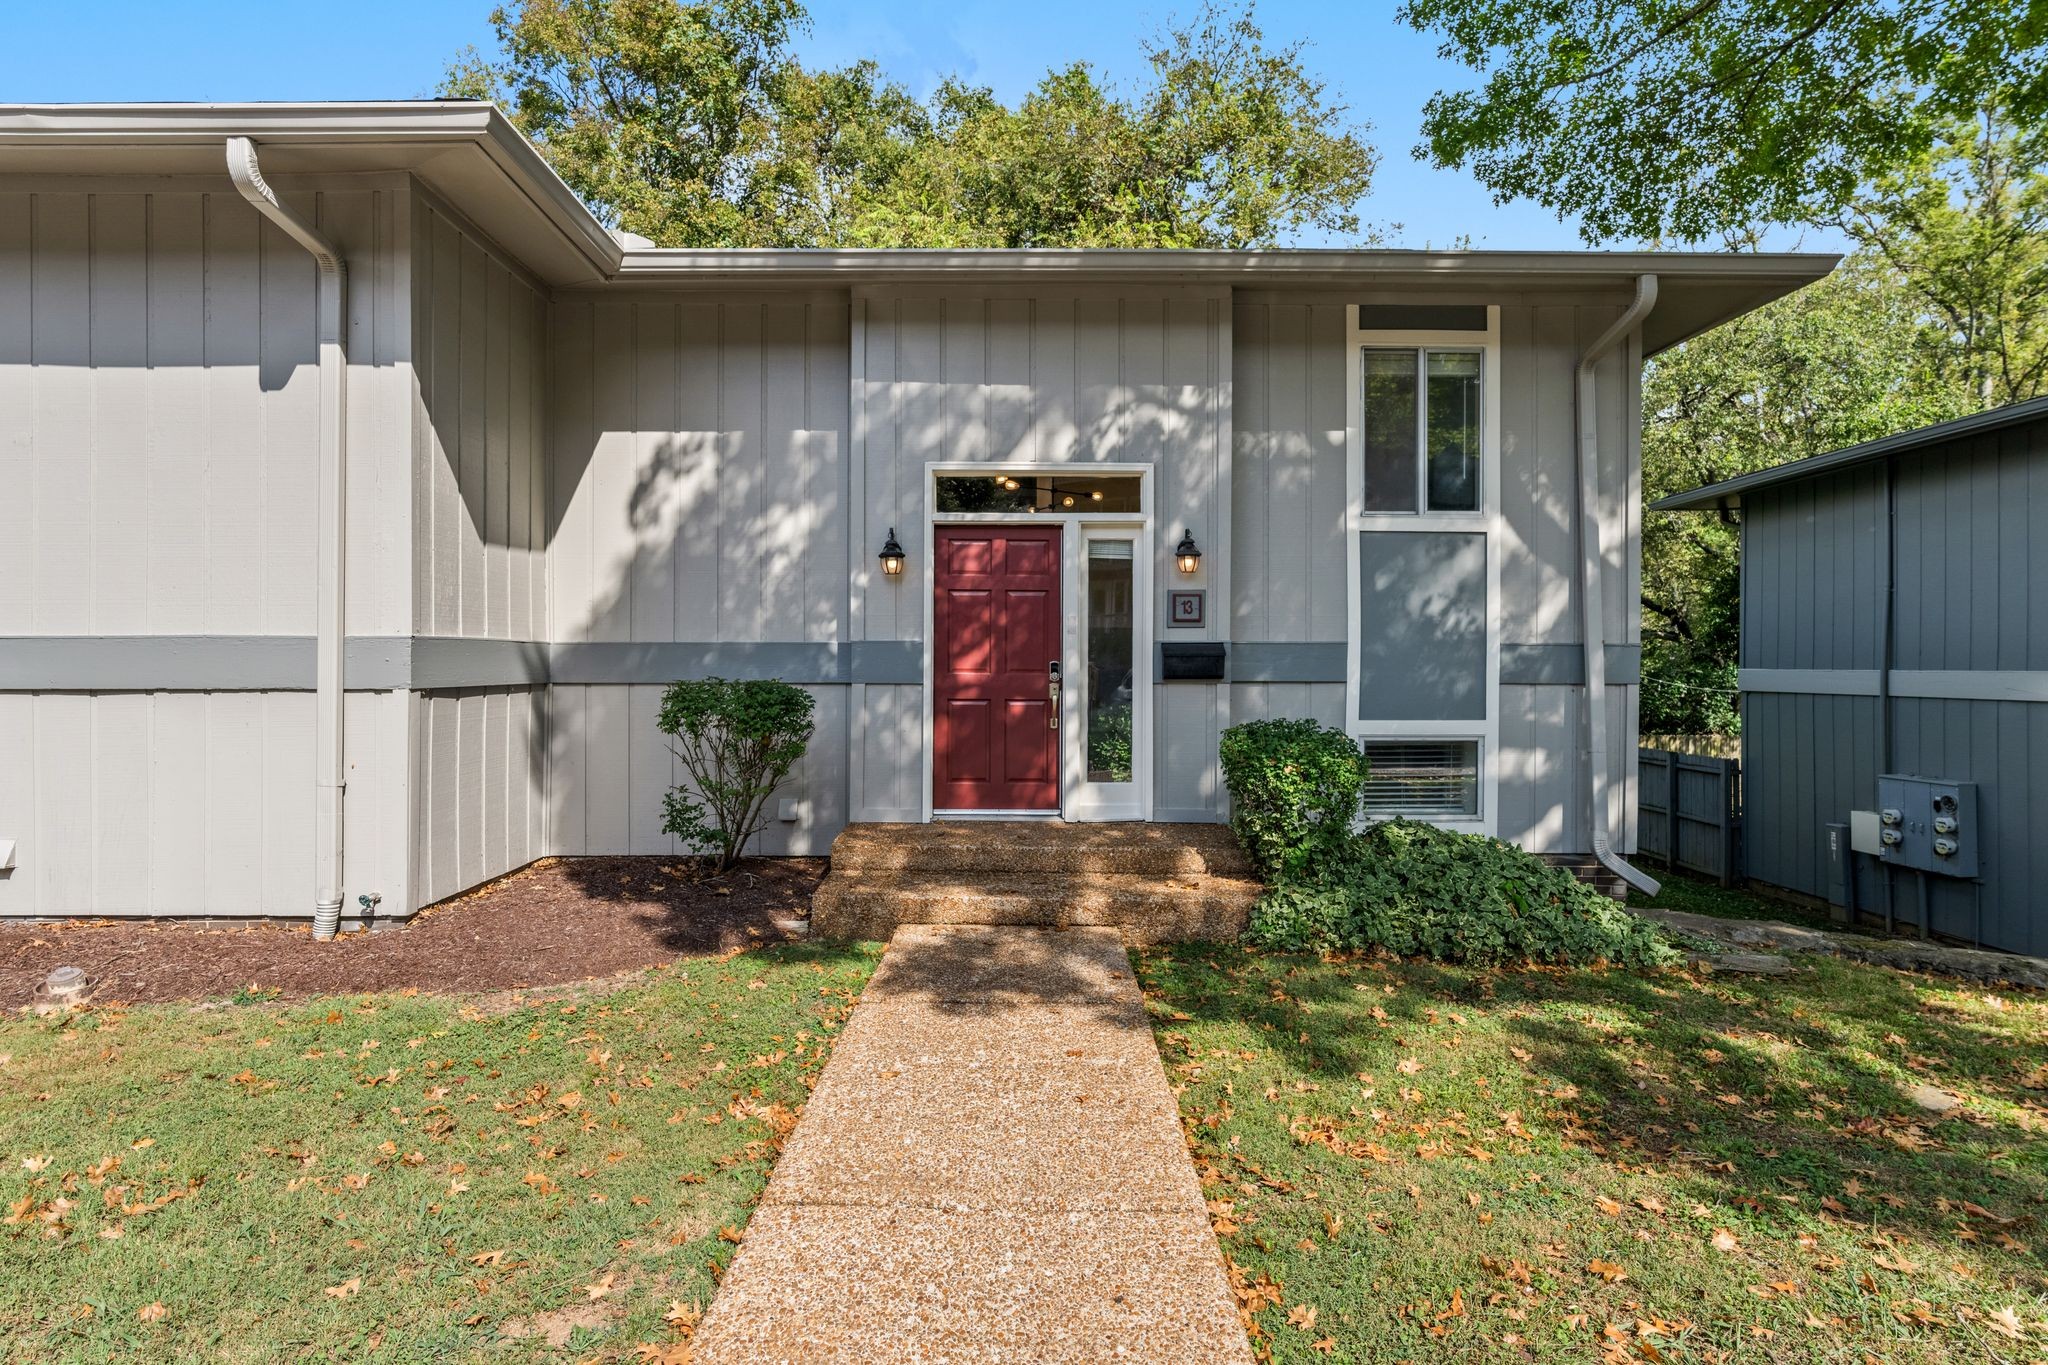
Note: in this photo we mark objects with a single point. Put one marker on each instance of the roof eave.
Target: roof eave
(1700, 290)
(429, 131)
(1728, 492)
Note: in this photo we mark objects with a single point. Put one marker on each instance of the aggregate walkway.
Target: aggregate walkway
(990, 1169)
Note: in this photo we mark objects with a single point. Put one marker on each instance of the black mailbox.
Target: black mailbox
(1193, 663)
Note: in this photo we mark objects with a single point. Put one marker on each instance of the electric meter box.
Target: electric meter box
(1928, 823)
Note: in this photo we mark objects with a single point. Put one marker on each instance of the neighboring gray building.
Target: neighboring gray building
(576, 468)
(1948, 526)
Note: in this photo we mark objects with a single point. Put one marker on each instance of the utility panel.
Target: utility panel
(1929, 824)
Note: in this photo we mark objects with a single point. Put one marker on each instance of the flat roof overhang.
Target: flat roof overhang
(470, 154)
(1696, 290)
(466, 151)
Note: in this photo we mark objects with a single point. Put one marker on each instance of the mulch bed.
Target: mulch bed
(559, 921)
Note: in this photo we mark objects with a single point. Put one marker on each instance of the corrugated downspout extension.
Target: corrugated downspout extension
(1591, 629)
(330, 776)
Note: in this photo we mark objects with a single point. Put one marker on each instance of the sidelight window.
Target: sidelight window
(1110, 678)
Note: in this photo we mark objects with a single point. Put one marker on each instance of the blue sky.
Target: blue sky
(381, 49)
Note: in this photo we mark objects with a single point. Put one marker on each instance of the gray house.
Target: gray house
(360, 492)
(1895, 657)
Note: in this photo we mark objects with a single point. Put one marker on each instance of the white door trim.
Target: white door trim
(1072, 645)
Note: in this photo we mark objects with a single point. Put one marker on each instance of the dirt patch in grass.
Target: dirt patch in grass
(559, 921)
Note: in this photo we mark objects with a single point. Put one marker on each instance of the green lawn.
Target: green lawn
(1409, 1162)
(1696, 895)
(420, 1177)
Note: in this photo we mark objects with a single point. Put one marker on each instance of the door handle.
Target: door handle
(1052, 692)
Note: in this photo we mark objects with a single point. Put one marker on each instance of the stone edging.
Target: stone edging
(1905, 954)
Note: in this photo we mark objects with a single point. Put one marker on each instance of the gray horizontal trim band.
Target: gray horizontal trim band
(191, 663)
(1565, 665)
(1322, 661)
(816, 662)
(1281, 661)
(1831, 682)
(444, 662)
(1985, 684)
(1946, 684)
(284, 663)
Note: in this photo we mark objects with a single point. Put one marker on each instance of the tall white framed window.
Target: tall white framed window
(1423, 538)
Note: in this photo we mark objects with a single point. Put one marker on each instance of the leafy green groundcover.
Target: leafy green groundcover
(1408, 888)
(1410, 1161)
(1414, 889)
(425, 1178)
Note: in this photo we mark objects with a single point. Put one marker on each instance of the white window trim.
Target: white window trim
(1079, 800)
(1085, 800)
(1486, 520)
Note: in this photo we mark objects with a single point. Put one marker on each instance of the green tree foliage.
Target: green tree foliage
(693, 125)
(1965, 226)
(1938, 313)
(661, 115)
(1841, 362)
(737, 742)
(1656, 119)
(1231, 144)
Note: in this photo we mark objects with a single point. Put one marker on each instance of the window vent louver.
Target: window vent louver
(1423, 777)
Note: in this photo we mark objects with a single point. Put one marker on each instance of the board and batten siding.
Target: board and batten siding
(480, 478)
(159, 391)
(479, 436)
(480, 765)
(699, 479)
(1971, 573)
(1288, 580)
(188, 803)
(158, 446)
(1105, 376)
(1542, 776)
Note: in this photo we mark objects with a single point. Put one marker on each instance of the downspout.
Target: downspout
(329, 775)
(1891, 597)
(1590, 605)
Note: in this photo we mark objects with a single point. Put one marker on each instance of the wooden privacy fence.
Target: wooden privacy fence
(1689, 812)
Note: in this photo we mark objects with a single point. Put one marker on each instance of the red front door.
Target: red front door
(995, 736)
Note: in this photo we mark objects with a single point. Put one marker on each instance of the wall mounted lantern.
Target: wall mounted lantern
(1186, 554)
(892, 555)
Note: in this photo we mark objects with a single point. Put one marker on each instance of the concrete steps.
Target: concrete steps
(1155, 883)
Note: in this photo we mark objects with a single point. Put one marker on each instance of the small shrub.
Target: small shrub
(1294, 787)
(1414, 889)
(737, 741)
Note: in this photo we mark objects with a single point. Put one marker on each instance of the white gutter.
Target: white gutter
(330, 776)
(1591, 628)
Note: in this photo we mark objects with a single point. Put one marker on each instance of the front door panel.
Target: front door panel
(996, 618)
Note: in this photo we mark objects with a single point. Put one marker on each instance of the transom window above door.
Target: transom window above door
(1420, 411)
(1056, 492)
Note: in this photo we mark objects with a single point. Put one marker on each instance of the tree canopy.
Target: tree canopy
(1663, 119)
(694, 125)
(1937, 313)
